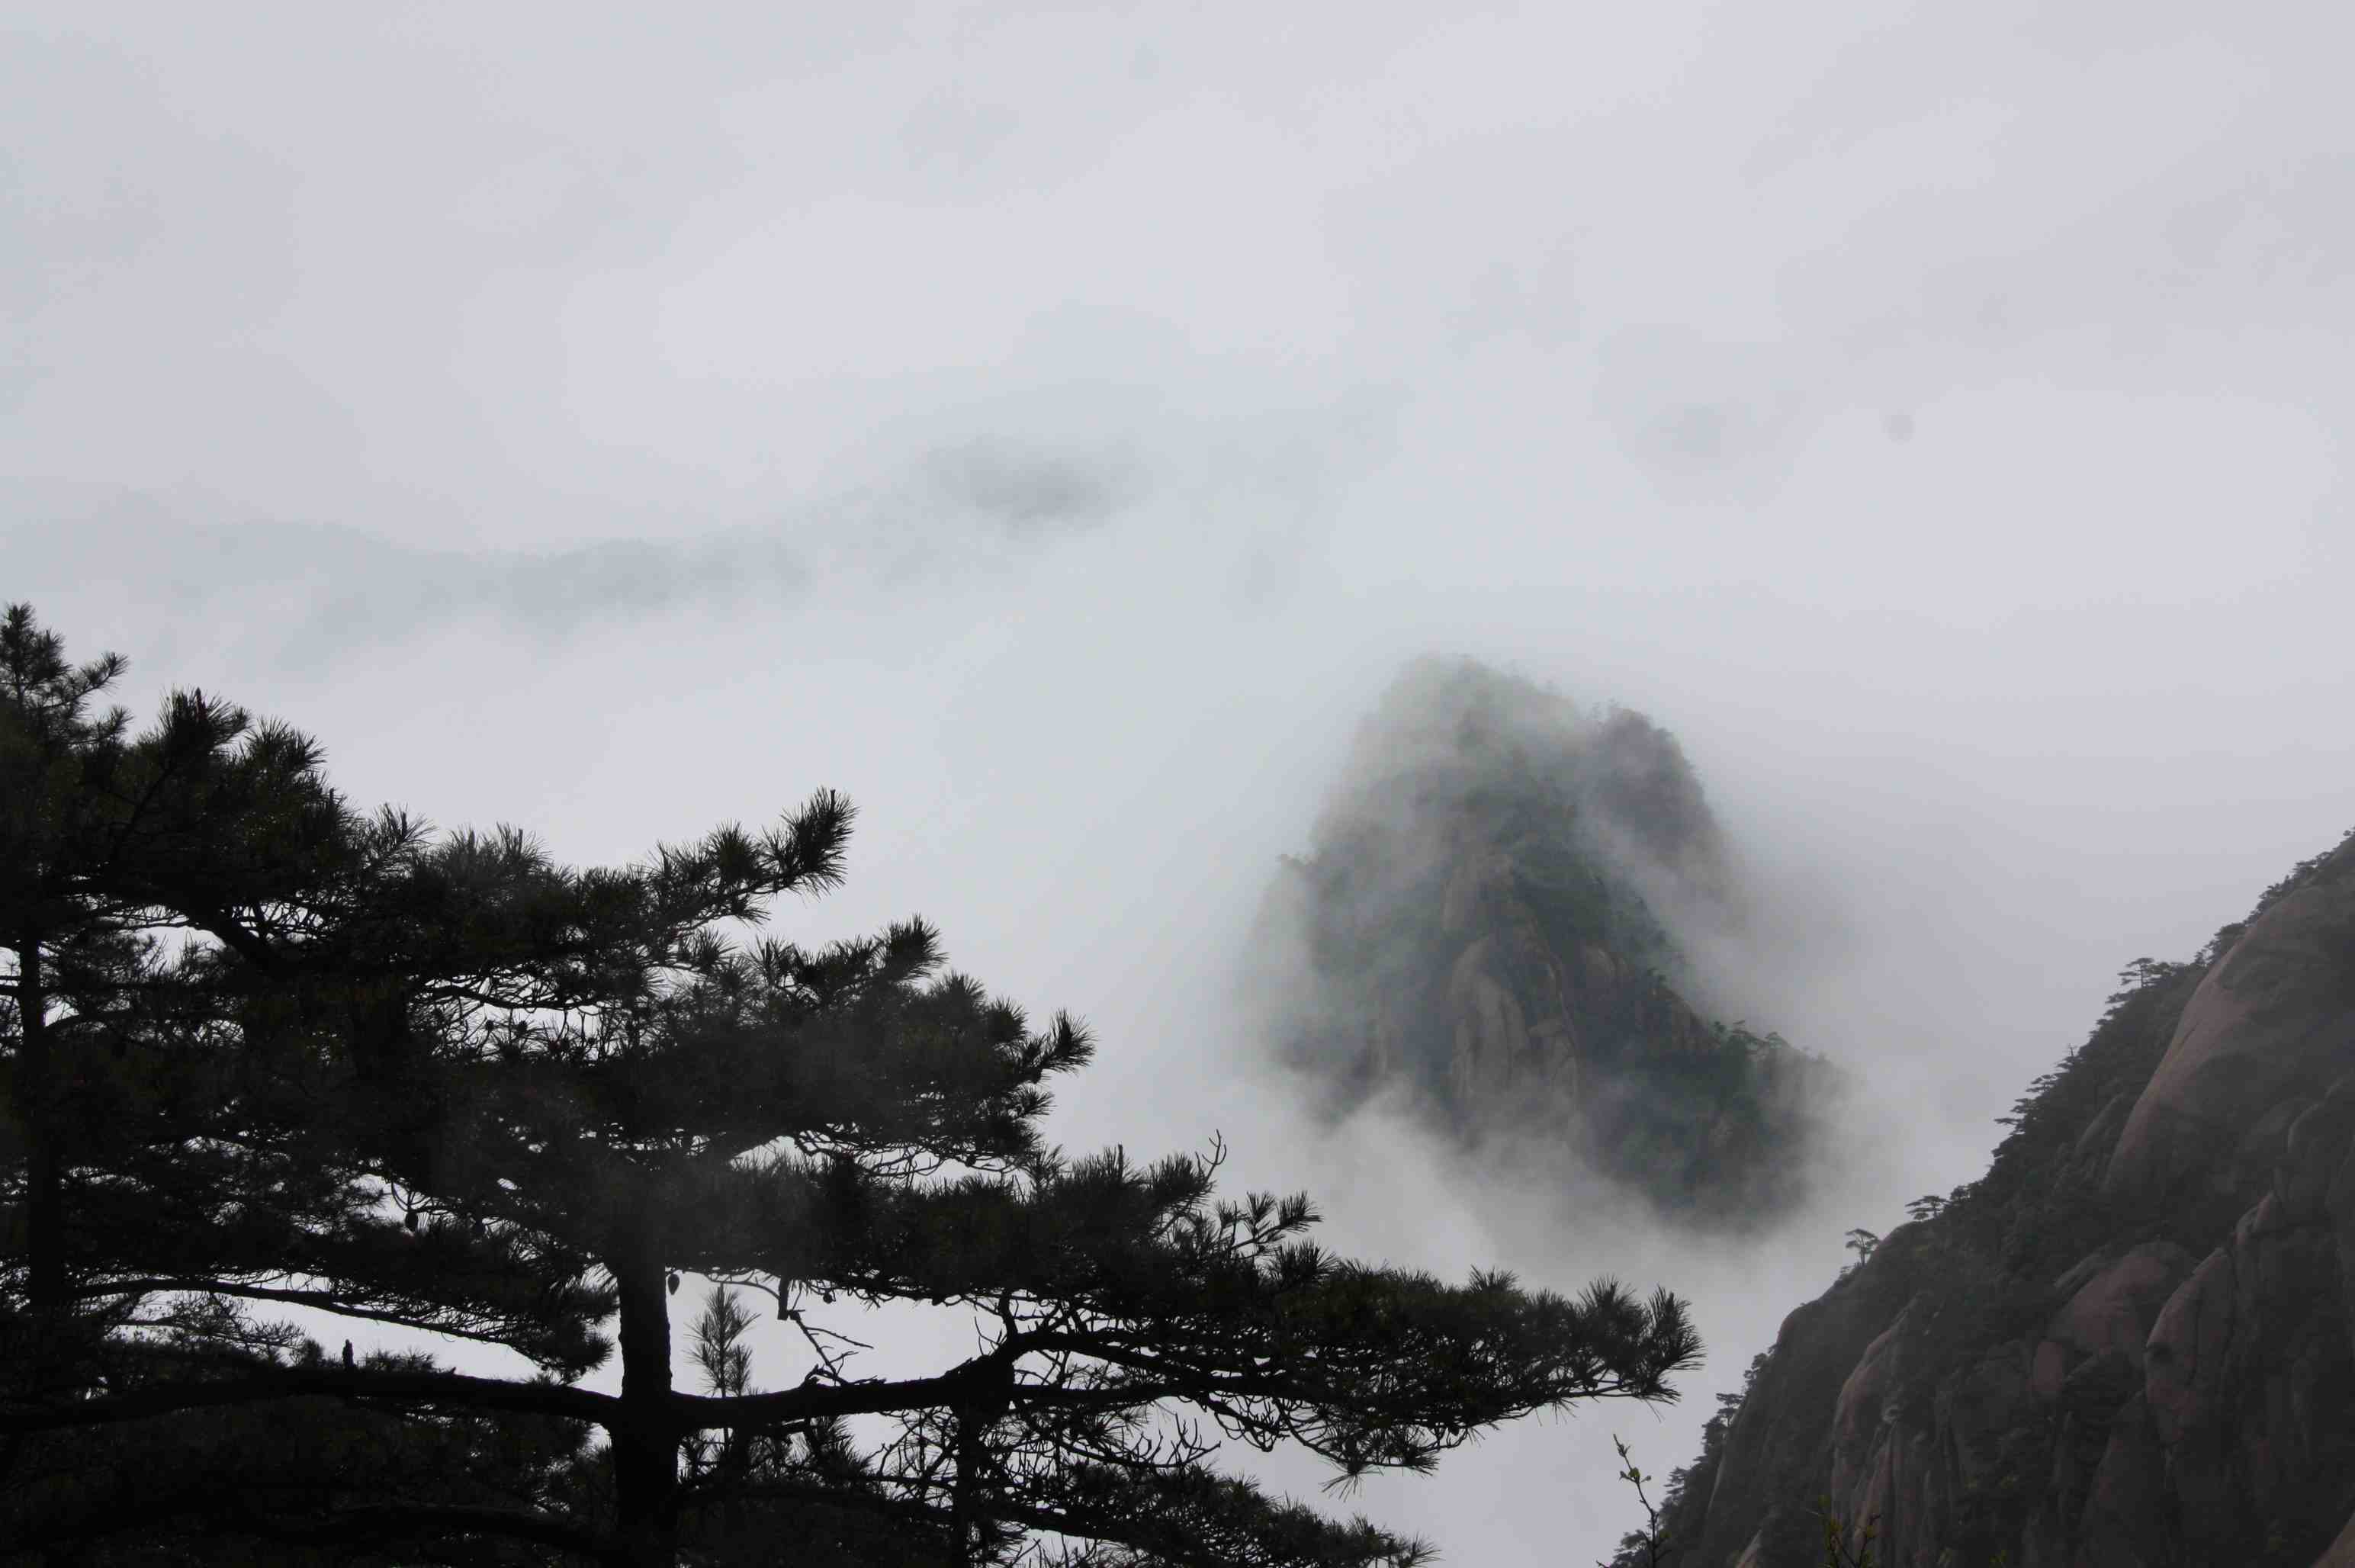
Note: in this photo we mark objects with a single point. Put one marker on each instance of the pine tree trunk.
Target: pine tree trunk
(37, 1109)
(966, 1501)
(646, 1439)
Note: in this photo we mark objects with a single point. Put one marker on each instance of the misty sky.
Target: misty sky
(1055, 427)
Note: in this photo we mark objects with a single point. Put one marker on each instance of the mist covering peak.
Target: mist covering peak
(1485, 929)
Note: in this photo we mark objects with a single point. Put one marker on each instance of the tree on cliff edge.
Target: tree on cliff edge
(453, 1085)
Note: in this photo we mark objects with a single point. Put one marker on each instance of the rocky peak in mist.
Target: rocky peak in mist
(2130, 1344)
(1484, 929)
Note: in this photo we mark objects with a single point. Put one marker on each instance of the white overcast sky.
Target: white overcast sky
(1054, 426)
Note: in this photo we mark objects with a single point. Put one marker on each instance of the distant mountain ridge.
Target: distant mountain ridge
(1478, 930)
(2130, 1344)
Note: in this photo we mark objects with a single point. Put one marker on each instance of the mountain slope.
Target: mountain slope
(2131, 1344)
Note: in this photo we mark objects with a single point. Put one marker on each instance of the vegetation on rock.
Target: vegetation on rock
(1478, 926)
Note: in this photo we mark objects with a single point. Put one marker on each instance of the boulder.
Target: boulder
(2114, 1309)
(2276, 1012)
(2313, 1150)
(2183, 1366)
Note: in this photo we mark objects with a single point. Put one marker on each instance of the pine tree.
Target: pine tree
(183, 909)
(161, 896)
(462, 1087)
(114, 850)
(49, 746)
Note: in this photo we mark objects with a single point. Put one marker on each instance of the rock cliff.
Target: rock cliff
(1478, 930)
(2132, 1343)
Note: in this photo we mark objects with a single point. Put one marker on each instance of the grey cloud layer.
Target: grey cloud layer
(491, 281)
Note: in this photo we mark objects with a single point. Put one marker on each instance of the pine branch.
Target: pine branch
(255, 1387)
